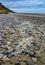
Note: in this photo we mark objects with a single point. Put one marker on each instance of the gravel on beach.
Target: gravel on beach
(21, 41)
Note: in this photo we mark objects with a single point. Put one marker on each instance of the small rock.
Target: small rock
(5, 58)
(7, 53)
(1, 52)
(1, 55)
(0, 43)
(16, 43)
(34, 43)
(35, 64)
(38, 47)
(20, 59)
(9, 42)
(44, 50)
(6, 47)
(0, 63)
(17, 63)
(42, 37)
(32, 53)
(34, 59)
(25, 51)
(1, 39)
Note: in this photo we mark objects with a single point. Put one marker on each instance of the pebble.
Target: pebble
(0, 43)
(0, 63)
(32, 53)
(5, 58)
(8, 53)
(34, 43)
(34, 59)
(16, 43)
(38, 47)
(17, 63)
(9, 42)
(1, 55)
(25, 51)
(42, 37)
(44, 50)
(1, 39)
(34, 64)
(1, 52)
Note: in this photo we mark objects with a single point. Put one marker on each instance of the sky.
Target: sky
(25, 6)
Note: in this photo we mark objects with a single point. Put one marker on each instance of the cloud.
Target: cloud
(25, 5)
(25, 10)
(18, 3)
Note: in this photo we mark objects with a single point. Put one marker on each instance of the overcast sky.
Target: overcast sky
(25, 6)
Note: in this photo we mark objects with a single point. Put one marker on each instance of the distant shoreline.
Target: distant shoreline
(29, 14)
